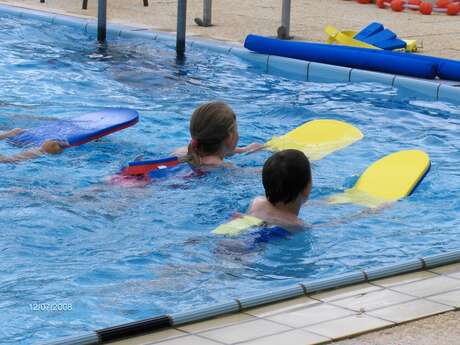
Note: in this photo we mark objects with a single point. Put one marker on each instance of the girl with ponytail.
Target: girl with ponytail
(214, 135)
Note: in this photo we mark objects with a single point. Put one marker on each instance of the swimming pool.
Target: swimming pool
(112, 255)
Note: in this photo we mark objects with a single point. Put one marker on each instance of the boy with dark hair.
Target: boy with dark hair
(287, 180)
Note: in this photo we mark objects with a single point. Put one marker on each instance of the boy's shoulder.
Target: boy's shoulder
(261, 208)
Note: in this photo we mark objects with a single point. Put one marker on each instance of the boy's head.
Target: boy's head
(286, 176)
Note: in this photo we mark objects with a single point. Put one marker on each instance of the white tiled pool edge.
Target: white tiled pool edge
(290, 68)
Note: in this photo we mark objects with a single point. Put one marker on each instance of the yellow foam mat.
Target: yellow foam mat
(237, 226)
(389, 179)
(317, 138)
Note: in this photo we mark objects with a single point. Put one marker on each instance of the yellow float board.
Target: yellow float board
(389, 179)
(237, 226)
(317, 138)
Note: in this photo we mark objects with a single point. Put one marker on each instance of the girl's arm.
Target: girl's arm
(249, 148)
(180, 152)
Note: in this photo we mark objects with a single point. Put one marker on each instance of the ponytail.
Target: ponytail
(210, 125)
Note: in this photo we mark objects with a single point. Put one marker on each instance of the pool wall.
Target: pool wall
(280, 66)
(290, 68)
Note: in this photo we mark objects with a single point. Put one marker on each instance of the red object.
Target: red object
(415, 2)
(364, 1)
(453, 9)
(143, 169)
(397, 5)
(426, 8)
(194, 143)
(380, 3)
(442, 3)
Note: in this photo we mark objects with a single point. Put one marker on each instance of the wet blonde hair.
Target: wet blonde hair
(211, 123)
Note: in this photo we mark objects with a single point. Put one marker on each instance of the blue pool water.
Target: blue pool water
(70, 240)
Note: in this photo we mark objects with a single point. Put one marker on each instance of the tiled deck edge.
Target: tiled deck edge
(238, 305)
(281, 66)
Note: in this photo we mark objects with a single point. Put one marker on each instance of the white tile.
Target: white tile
(427, 287)
(277, 308)
(359, 289)
(404, 278)
(450, 270)
(214, 323)
(410, 311)
(310, 315)
(244, 331)
(150, 338)
(349, 326)
(373, 300)
(188, 340)
(449, 298)
(295, 337)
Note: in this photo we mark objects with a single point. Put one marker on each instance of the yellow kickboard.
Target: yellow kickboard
(345, 38)
(389, 179)
(317, 138)
(237, 226)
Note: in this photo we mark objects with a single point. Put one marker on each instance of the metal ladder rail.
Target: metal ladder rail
(283, 31)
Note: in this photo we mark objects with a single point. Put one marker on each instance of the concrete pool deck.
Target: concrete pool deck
(339, 314)
(438, 33)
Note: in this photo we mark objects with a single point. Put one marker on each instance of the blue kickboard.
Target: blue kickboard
(391, 44)
(79, 130)
(382, 36)
(369, 30)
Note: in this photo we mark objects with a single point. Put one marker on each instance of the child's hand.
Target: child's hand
(52, 147)
(254, 147)
(249, 148)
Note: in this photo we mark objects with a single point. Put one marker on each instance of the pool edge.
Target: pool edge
(235, 306)
(435, 90)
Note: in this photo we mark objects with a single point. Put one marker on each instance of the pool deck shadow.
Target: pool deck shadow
(328, 316)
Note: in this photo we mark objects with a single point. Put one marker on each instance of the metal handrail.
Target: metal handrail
(283, 30)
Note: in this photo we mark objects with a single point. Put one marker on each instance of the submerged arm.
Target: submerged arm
(49, 147)
(23, 156)
(11, 133)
